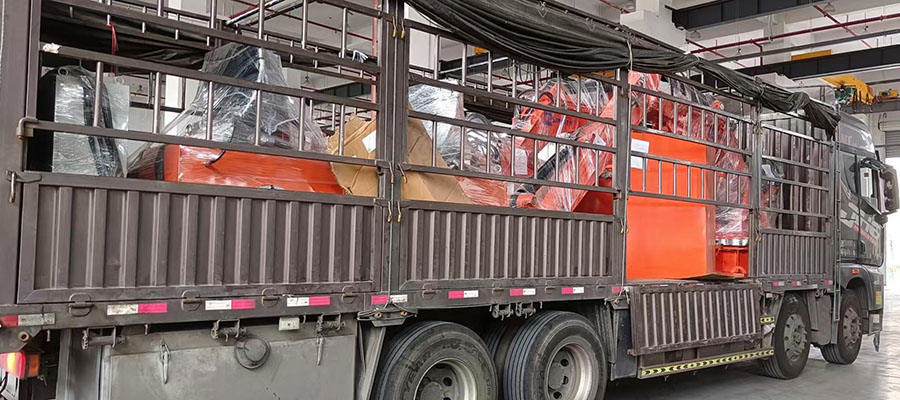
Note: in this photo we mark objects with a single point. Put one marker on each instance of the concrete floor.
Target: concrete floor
(874, 376)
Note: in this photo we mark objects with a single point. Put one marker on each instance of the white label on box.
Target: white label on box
(217, 305)
(121, 309)
(369, 142)
(578, 290)
(521, 162)
(470, 294)
(399, 298)
(529, 292)
(288, 323)
(547, 152)
(298, 301)
(639, 146)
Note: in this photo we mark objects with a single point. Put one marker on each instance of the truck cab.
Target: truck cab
(868, 193)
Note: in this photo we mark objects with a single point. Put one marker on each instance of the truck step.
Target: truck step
(693, 365)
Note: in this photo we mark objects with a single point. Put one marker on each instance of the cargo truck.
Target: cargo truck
(336, 200)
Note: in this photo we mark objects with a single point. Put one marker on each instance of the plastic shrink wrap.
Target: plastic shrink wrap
(67, 96)
(732, 223)
(234, 121)
(482, 150)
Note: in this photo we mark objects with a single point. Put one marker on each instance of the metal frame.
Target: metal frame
(804, 158)
(391, 74)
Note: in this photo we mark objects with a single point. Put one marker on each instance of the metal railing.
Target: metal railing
(296, 53)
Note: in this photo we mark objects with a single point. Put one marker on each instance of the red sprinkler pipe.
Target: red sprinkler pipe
(833, 19)
(795, 33)
(711, 51)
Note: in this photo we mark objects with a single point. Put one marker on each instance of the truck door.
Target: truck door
(849, 207)
(868, 194)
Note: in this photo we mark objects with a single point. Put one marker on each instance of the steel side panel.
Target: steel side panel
(117, 239)
(794, 254)
(669, 317)
(448, 246)
(14, 69)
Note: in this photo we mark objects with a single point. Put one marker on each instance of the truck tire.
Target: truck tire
(555, 355)
(436, 360)
(790, 339)
(849, 335)
(498, 337)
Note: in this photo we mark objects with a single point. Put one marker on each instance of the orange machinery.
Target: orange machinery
(176, 163)
(667, 239)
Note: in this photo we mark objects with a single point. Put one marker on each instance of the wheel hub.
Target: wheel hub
(795, 337)
(569, 376)
(447, 380)
(851, 327)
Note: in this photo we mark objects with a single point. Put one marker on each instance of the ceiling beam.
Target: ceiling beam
(834, 64)
(727, 11)
(807, 46)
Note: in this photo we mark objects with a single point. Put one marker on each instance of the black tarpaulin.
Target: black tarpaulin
(537, 34)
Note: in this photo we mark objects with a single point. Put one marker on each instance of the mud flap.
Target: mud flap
(877, 342)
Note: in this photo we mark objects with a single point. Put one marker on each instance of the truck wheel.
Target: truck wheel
(498, 337)
(555, 356)
(791, 340)
(849, 338)
(436, 360)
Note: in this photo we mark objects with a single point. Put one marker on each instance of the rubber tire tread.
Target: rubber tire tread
(401, 344)
(514, 381)
(837, 353)
(498, 337)
(771, 366)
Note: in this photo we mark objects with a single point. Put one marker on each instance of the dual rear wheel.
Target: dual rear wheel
(553, 356)
(791, 340)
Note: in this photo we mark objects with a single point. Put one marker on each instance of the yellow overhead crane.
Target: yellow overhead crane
(851, 89)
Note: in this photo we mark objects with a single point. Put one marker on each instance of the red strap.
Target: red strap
(115, 44)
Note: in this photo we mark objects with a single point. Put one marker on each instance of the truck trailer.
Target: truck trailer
(333, 199)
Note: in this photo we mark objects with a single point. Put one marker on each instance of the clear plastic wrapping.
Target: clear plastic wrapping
(564, 163)
(541, 122)
(68, 97)
(234, 108)
(234, 121)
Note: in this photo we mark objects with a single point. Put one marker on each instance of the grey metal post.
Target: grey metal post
(392, 134)
(23, 82)
(755, 189)
(622, 170)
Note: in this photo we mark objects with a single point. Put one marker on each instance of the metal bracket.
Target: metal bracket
(11, 177)
(270, 297)
(348, 296)
(95, 337)
(190, 300)
(79, 305)
(525, 309)
(23, 130)
(497, 311)
(164, 357)
(231, 332)
(323, 326)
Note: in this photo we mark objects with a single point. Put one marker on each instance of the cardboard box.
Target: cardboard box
(359, 141)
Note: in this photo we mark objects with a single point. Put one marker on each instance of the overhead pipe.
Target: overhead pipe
(689, 41)
(613, 5)
(833, 19)
(796, 33)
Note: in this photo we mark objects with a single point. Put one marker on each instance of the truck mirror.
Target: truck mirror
(890, 190)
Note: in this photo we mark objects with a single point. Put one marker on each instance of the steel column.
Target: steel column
(622, 171)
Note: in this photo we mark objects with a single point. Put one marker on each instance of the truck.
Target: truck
(310, 199)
